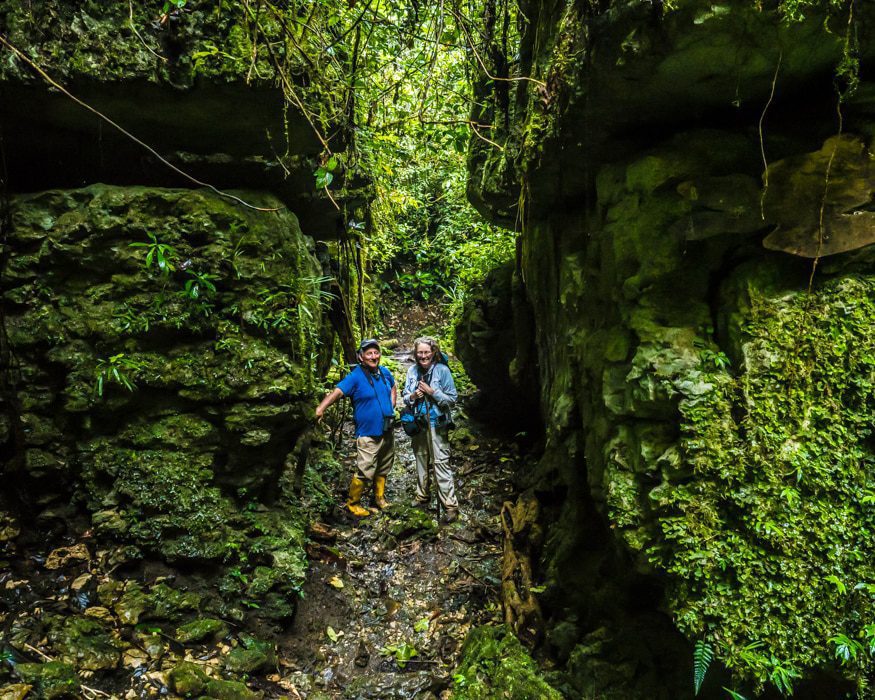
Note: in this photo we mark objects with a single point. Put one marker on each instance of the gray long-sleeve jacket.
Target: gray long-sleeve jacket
(440, 379)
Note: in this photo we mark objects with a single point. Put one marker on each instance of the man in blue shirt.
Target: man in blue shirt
(373, 393)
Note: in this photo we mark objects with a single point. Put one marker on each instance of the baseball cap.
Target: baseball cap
(368, 343)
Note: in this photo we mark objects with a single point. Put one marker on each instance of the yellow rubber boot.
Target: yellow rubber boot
(380, 492)
(356, 487)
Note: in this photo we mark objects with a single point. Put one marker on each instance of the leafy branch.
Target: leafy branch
(115, 369)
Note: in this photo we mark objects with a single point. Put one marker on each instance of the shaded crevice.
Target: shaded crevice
(11, 429)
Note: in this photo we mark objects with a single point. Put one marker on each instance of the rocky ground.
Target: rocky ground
(387, 602)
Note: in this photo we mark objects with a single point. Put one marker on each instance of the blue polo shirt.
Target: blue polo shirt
(371, 399)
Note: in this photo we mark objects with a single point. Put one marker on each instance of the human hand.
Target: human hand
(320, 413)
(423, 387)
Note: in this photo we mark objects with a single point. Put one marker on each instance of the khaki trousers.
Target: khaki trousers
(374, 456)
(431, 448)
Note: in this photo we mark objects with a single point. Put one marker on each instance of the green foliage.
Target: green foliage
(770, 542)
(429, 242)
(387, 84)
(158, 254)
(178, 4)
(115, 369)
(402, 653)
(797, 10)
(200, 284)
(710, 359)
(285, 306)
(846, 649)
(325, 173)
(703, 654)
(495, 665)
(421, 625)
(7, 658)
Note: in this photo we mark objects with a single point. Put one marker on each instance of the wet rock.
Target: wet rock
(9, 528)
(81, 582)
(50, 680)
(815, 221)
(389, 686)
(135, 658)
(63, 556)
(17, 691)
(153, 644)
(201, 629)
(262, 580)
(494, 342)
(109, 522)
(99, 613)
(322, 532)
(230, 690)
(187, 679)
(132, 603)
(231, 393)
(406, 521)
(166, 603)
(363, 656)
(252, 655)
(119, 556)
(87, 643)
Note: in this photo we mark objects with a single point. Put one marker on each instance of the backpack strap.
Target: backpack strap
(374, 387)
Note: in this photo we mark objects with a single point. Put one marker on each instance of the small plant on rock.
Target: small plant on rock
(402, 653)
(200, 284)
(115, 369)
(158, 254)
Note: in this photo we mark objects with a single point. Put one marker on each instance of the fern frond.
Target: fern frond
(703, 653)
(734, 695)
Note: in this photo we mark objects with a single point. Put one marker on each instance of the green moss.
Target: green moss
(178, 431)
(85, 643)
(92, 40)
(129, 602)
(200, 630)
(187, 679)
(230, 690)
(50, 680)
(166, 603)
(253, 655)
(495, 665)
(406, 521)
(770, 545)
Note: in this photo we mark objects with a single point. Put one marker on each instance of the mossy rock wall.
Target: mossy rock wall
(168, 344)
(707, 389)
(187, 83)
(495, 343)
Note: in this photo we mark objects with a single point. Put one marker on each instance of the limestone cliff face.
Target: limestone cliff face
(188, 83)
(161, 347)
(155, 389)
(696, 250)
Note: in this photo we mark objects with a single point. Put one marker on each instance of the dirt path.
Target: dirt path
(390, 598)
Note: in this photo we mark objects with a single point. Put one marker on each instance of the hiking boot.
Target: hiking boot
(356, 487)
(420, 503)
(380, 492)
(450, 516)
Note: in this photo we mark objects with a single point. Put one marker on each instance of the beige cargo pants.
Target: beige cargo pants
(431, 448)
(374, 456)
